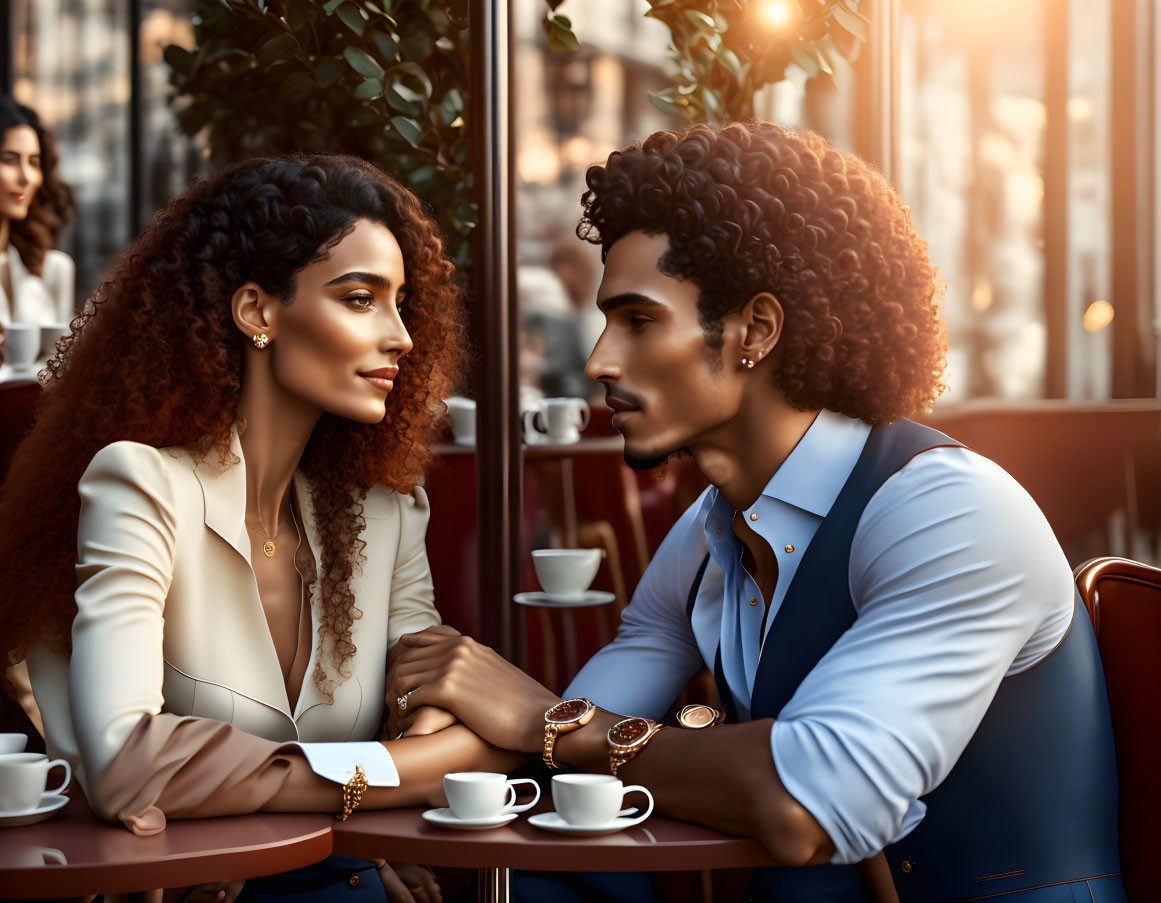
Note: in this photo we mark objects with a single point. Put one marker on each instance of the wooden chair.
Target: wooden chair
(1123, 599)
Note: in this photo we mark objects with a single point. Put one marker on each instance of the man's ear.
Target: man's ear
(762, 319)
(252, 310)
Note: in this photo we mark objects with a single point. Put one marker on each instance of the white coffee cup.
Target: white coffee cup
(32, 856)
(24, 777)
(593, 799)
(12, 743)
(556, 421)
(463, 419)
(484, 794)
(566, 572)
(21, 345)
(49, 334)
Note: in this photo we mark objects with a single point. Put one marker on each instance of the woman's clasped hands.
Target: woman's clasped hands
(438, 667)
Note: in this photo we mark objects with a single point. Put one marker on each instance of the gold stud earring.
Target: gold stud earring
(261, 340)
(747, 363)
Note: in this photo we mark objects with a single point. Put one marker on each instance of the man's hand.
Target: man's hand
(407, 883)
(485, 691)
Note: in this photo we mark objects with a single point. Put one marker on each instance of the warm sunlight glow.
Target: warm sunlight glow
(778, 13)
(1098, 316)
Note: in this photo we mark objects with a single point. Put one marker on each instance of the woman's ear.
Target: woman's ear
(762, 319)
(251, 311)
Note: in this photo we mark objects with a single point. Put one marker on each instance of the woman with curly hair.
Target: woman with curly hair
(36, 281)
(907, 678)
(246, 408)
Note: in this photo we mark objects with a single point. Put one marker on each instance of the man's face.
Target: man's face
(666, 387)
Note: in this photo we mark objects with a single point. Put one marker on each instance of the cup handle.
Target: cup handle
(584, 415)
(68, 774)
(531, 432)
(524, 806)
(53, 857)
(648, 809)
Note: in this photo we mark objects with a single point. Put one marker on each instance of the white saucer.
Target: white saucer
(47, 805)
(548, 600)
(445, 819)
(553, 821)
(541, 440)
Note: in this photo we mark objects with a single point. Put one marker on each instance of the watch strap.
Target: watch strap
(619, 757)
(550, 732)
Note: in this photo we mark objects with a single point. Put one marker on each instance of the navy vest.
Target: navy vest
(1032, 801)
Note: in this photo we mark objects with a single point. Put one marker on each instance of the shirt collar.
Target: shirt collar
(813, 474)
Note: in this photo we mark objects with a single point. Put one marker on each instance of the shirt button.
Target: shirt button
(753, 601)
(789, 548)
(754, 516)
(353, 881)
(719, 531)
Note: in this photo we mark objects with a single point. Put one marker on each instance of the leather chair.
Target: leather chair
(1123, 599)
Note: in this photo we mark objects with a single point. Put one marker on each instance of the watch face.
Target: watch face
(696, 716)
(629, 731)
(566, 712)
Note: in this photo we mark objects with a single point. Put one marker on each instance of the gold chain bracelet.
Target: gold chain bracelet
(353, 792)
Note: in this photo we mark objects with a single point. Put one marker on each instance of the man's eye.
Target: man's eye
(637, 321)
(360, 302)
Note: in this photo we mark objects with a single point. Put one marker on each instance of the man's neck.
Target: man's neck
(741, 456)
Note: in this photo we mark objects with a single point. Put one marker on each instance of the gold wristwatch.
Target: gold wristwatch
(627, 738)
(563, 718)
(697, 716)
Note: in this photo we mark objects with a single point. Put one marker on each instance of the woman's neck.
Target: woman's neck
(277, 429)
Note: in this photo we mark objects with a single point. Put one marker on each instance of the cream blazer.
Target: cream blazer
(169, 619)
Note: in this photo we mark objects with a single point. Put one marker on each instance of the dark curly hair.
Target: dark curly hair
(52, 205)
(156, 358)
(753, 207)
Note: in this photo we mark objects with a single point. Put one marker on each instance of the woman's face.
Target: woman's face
(338, 345)
(20, 173)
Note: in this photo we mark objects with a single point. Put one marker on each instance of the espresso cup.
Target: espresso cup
(463, 419)
(556, 421)
(484, 794)
(12, 743)
(593, 799)
(49, 335)
(31, 856)
(566, 572)
(21, 345)
(23, 778)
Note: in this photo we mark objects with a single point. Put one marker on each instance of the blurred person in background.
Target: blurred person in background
(36, 280)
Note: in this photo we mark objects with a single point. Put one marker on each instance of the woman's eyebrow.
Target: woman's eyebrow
(368, 278)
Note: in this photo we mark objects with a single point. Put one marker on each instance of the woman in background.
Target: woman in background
(36, 281)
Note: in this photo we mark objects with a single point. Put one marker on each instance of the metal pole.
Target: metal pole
(498, 449)
(136, 157)
(1058, 312)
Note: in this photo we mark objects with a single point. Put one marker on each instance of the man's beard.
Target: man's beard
(649, 460)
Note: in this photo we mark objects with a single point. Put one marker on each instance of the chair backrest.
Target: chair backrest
(17, 401)
(1123, 599)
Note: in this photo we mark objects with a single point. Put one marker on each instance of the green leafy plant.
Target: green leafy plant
(385, 81)
(726, 50)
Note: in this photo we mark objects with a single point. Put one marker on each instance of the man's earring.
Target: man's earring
(262, 340)
(747, 363)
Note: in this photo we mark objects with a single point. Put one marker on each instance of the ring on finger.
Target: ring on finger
(401, 702)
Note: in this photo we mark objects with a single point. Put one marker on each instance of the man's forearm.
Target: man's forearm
(723, 777)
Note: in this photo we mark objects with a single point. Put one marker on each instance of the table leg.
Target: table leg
(494, 885)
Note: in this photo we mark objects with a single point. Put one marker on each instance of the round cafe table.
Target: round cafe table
(75, 854)
(658, 844)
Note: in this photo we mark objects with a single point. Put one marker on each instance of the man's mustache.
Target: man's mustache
(623, 395)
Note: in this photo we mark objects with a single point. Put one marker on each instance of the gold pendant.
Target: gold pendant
(268, 549)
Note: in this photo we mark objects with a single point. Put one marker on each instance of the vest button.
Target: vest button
(906, 866)
(353, 881)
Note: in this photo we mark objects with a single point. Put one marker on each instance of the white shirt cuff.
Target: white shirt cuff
(336, 762)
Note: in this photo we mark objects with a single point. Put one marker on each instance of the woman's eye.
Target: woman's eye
(360, 302)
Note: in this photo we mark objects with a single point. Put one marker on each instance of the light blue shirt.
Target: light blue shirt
(957, 581)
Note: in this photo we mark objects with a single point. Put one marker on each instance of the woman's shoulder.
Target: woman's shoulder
(58, 262)
(137, 463)
(382, 503)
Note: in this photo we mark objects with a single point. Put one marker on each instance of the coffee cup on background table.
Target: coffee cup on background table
(566, 572)
(590, 800)
(462, 412)
(50, 334)
(21, 345)
(556, 421)
(485, 794)
(13, 743)
(24, 778)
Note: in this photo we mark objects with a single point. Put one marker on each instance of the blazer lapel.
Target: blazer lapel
(225, 499)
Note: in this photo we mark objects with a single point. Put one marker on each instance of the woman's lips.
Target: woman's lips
(383, 378)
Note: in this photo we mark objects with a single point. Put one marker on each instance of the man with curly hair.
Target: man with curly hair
(888, 616)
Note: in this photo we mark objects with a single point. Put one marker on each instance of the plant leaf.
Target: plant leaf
(178, 58)
(730, 60)
(804, 60)
(701, 20)
(278, 47)
(384, 44)
(328, 71)
(331, 5)
(852, 22)
(408, 129)
(369, 89)
(410, 81)
(451, 107)
(362, 62)
(664, 104)
(352, 17)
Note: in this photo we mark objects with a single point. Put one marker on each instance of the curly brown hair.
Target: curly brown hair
(156, 358)
(754, 207)
(52, 205)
